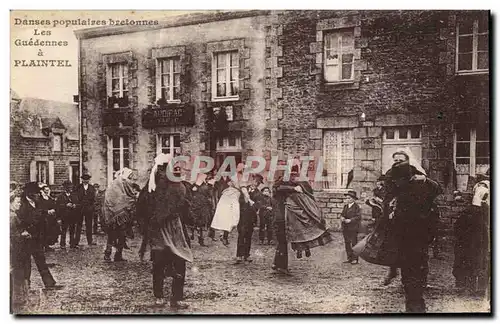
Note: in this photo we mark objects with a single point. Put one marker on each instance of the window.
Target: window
(472, 152)
(57, 143)
(168, 144)
(74, 168)
(339, 55)
(119, 80)
(395, 138)
(230, 142)
(338, 152)
(170, 70)
(42, 171)
(472, 45)
(225, 81)
(121, 158)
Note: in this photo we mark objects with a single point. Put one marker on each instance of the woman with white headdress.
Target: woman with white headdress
(163, 204)
(118, 207)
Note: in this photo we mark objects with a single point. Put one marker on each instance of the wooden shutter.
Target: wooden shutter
(33, 171)
(158, 77)
(110, 160)
(108, 81)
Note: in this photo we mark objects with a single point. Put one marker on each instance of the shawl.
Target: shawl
(119, 201)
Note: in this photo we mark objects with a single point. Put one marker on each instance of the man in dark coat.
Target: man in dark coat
(67, 214)
(351, 219)
(413, 196)
(32, 221)
(85, 193)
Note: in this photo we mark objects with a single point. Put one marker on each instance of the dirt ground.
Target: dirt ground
(215, 285)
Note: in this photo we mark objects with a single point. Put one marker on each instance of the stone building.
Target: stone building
(356, 85)
(44, 143)
(348, 86)
(191, 85)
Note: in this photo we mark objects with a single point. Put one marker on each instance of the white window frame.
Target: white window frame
(338, 186)
(475, 34)
(122, 66)
(341, 53)
(225, 147)
(472, 150)
(173, 149)
(60, 143)
(402, 141)
(121, 149)
(159, 81)
(39, 170)
(227, 68)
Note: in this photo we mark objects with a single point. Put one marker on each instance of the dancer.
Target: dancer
(164, 207)
(298, 217)
(118, 209)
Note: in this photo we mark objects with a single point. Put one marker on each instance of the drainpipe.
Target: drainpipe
(80, 128)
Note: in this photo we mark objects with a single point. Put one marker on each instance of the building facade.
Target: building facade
(348, 86)
(44, 142)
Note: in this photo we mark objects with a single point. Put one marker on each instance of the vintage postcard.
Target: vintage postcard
(250, 162)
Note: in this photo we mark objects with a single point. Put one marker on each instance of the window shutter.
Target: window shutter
(70, 173)
(108, 81)
(110, 160)
(51, 172)
(158, 79)
(33, 171)
(158, 144)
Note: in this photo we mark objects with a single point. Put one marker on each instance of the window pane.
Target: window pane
(332, 73)
(232, 140)
(165, 93)
(346, 71)
(125, 94)
(115, 70)
(176, 94)
(165, 80)
(415, 131)
(482, 161)
(482, 149)
(464, 62)
(347, 39)
(125, 70)
(463, 161)
(389, 133)
(165, 66)
(463, 149)
(482, 42)
(126, 159)
(403, 133)
(125, 83)
(483, 24)
(220, 60)
(465, 27)
(483, 133)
(221, 90)
(221, 141)
(234, 59)
(347, 58)
(116, 142)
(177, 66)
(177, 79)
(465, 44)
(233, 75)
(482, 60)
(57, 143)
(221, 76)
(116, 160)
(332, 57)
(165, 141)
(331, 41)
(234, 89)
(115, 84)
(463, 132)
(125, 142)
(177, 140)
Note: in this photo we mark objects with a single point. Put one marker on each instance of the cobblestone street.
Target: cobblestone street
(214, 285)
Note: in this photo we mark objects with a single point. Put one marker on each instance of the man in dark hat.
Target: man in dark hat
(31, 219)
(350, 219)
(86, 202)
(67, 214)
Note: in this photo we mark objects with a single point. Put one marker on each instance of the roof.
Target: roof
(169, 22)
(14, 95)
(50, 114)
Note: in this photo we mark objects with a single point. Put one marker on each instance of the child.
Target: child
(350, 218)
(266, 216)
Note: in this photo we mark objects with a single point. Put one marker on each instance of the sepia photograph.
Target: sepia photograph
(250, 162)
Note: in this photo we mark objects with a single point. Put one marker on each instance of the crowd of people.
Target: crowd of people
(170, 214)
